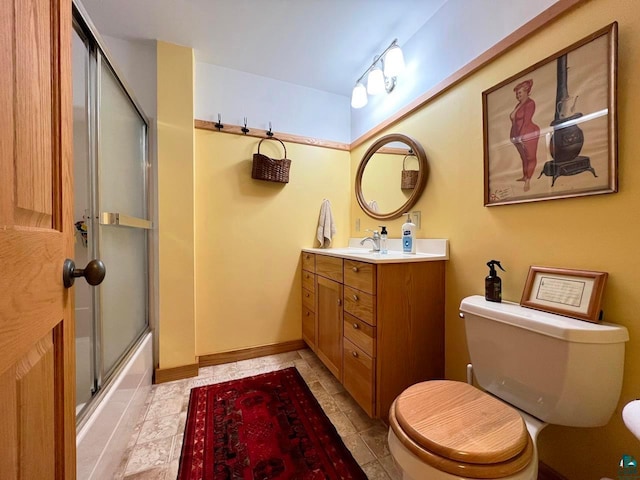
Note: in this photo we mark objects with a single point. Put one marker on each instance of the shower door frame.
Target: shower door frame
(99, 58)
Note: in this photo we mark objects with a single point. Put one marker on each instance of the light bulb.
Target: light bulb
(393, 62)
(375, 82)
(359, 96)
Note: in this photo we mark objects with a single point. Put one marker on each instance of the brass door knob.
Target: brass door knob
(93, 273)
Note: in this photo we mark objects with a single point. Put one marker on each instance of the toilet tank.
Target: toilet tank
(561, 370)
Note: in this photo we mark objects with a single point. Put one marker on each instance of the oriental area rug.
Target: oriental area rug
(265, 427)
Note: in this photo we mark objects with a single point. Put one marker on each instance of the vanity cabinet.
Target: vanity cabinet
(379, 328)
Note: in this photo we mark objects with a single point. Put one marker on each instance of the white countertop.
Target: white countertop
(428, 250)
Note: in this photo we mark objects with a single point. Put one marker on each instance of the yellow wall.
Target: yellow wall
(249, 234)
(175, 206)
(592, 233)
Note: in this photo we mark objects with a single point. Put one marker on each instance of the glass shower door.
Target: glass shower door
(123, 217)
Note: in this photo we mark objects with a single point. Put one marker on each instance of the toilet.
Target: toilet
(533, 368)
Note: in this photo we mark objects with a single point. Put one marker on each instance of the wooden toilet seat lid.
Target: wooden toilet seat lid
(460, 422)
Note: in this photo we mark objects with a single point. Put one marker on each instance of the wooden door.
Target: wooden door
(329, 317)
(37, 379)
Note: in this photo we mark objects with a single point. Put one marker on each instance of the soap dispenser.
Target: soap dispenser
(383, 239)
(492, 283)
(408, 235)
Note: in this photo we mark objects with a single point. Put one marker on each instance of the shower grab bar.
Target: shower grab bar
(122, 220)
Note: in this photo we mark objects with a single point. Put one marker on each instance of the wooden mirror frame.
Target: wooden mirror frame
(420, 183)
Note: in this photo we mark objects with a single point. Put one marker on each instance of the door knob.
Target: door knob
(93, 273)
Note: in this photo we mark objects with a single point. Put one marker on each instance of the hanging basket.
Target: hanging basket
(269, 169)
(409, 177)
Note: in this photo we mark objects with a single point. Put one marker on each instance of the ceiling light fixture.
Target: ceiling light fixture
(379, 79)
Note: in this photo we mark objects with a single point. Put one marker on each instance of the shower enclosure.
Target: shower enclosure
(111, 172)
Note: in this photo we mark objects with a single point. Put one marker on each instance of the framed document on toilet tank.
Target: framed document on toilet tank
(573, 293)
(550, 130)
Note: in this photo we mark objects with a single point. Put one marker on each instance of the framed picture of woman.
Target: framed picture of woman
(550, 130)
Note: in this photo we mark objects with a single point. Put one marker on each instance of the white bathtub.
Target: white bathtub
(103, 438)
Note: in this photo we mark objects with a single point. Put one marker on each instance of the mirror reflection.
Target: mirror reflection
(391, 176)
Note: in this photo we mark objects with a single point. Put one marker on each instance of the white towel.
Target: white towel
(373, 205)
(326, 225)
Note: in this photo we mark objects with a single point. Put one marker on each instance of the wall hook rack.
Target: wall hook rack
(219, 125)
(244, 129)
(269, 133)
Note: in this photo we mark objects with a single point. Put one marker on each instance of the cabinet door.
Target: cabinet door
(359, 376)
(329, 318)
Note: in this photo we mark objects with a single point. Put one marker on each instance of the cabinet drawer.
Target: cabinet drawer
(358, 375)
(361, 334)
(309, 300)
(360, 275)
(329, 267)
(360, 304)
(309, 327)
(308, 281)
(309, 262)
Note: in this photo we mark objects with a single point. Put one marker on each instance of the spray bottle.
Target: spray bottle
(492, 283)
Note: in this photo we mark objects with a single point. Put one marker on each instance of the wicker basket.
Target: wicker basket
(409, 177)
(269, 169)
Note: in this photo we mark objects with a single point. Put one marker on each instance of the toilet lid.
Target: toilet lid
(458, 421)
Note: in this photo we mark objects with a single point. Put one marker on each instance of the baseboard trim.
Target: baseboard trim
(163, 375)
(545, 472)
(248, 353)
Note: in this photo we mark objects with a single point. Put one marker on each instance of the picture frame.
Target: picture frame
(550, 131)
(572, 293)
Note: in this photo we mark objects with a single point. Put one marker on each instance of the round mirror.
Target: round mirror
(391, 176)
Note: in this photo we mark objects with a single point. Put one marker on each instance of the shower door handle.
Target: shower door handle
(93, 273)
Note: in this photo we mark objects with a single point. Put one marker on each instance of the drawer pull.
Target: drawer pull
(355, 269)
(339, 302)
(355, 298)
(306, 294)
(307, 257)
(355, 354)
(355, 325)
(308, 314)
(306, 275)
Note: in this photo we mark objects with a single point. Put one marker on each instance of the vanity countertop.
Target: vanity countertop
(429, 250)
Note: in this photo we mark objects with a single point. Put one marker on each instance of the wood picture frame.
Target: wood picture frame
(550, 131)
(572, 293)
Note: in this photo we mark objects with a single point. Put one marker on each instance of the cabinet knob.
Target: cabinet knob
(306, 294)
(356, 326)
(355, 354)
(339, 302)
(306, 275)
(308, 314)
(355, 297)
(355, 269)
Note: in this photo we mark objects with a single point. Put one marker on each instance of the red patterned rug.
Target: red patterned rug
(264, 427)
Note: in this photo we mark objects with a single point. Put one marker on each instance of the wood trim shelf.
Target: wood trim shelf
(285, 137)
(500, 48)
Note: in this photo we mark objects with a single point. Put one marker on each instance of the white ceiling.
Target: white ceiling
(322, 44)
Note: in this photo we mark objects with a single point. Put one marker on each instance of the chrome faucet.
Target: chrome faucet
(374, 239)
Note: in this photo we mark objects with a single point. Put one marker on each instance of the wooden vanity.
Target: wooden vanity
(378, 326)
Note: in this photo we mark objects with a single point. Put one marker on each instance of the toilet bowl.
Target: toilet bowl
(445, 430)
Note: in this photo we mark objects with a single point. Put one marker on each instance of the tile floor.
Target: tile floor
(154, 449)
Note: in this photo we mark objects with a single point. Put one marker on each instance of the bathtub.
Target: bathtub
(103, 437)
